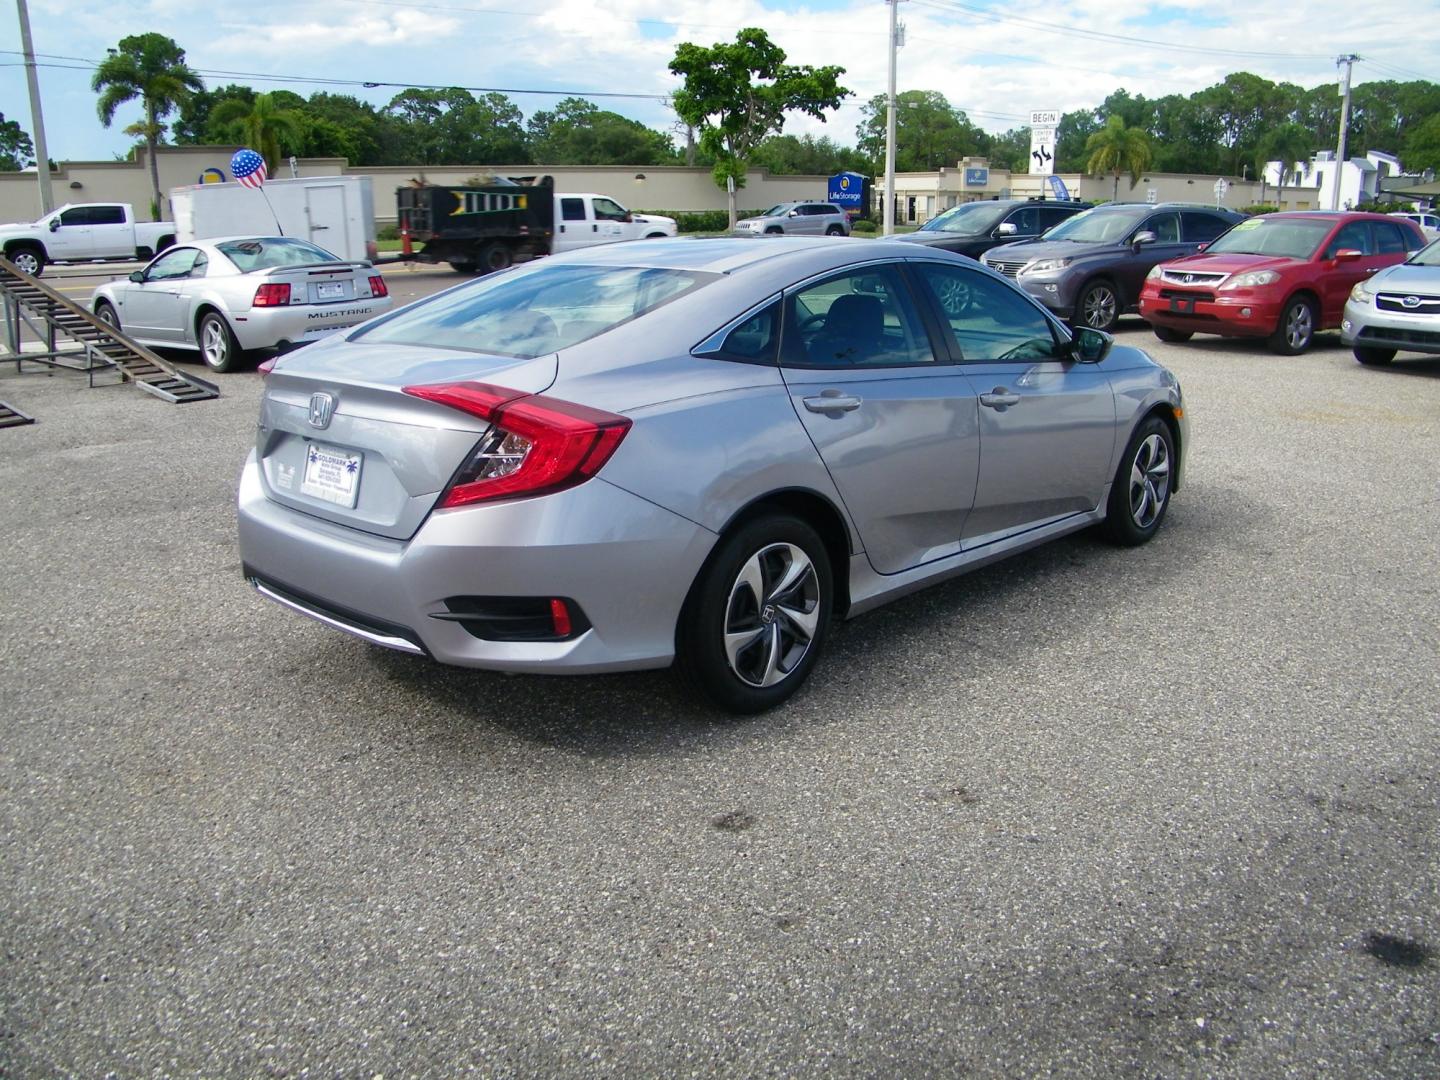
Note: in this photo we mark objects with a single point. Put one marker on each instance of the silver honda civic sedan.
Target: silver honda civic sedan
(695, 452)
(231, 295)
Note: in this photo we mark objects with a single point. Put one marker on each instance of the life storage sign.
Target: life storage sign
(849, 191)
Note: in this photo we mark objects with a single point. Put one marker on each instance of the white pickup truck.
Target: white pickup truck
(84, 232)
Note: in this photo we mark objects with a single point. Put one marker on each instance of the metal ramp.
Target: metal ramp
(50, 316)
(13, 417)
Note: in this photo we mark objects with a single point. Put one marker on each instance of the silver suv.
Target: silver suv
(797, 219)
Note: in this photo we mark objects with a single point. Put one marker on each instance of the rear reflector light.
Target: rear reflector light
(560, 617)
(274, 294)
(378, 287)
(535, 444)
(267, 365)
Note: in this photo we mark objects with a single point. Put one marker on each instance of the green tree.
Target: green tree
(150, 67)
(1291, 145)
(1010, 150)
(193, 124)
(16, 150)
(1422, 145)
(273, 131)
(928, 132)
(1117, 149)
(807, 155)
(577, 132)
(1070, 154)
(738, 93)
(453, 127)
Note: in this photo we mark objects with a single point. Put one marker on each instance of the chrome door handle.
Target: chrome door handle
(832, 401)
(999, 398)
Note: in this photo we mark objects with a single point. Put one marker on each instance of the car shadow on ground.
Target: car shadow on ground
(877, 660)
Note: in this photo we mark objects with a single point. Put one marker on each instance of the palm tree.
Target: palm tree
(150, 67)
(1118, 149)
(1290, 145)
(265, 126)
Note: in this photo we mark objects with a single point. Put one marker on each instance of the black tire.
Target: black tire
(1373, 357)
(655, 236)
(494, 256)
(834, 230)
(460, 266)
(218, 347)
(1164, 333)
(143, 254)
(1296, 329)
(164, 243)
(28, 260)
(774, 230)
(107, 314)
(1143, 484)
(765, 670)
(1098, 305)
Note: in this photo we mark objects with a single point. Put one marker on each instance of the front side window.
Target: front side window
(989, 319)
(609, 210)
(1166, 228)
(76, 215)
(861, 318)
(527, 315)
(174, 264)
(1353, 236)
(1026, 220)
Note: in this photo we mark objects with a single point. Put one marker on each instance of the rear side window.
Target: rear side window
(1389, 237)
(1202, 228)
(530, 314)
(753, 341)
(862, 318)
(572, 209)
(107, 215)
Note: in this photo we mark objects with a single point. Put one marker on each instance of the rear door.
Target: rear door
(572, 223)
(112, 236)
(325, 216)
(893, 421)
(1047, 423)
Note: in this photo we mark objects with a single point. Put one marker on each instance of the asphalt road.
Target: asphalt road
(1161, 812)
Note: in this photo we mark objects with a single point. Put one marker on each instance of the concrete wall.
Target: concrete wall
(636, 187)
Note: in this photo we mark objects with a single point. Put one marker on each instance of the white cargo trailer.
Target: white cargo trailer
(336, 213)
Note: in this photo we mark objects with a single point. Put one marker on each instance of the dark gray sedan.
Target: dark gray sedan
(698, 451)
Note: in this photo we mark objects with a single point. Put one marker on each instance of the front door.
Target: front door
(611, 222)
(74, 238)
(895, 426)
(1047, 423)
(155, 308)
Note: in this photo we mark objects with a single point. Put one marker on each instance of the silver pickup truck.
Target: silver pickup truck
(84, 232)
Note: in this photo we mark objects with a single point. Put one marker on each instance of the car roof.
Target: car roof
(727, 255)
(1167, 206)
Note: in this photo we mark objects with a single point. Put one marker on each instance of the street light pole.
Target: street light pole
(37, 119)
(890, 129)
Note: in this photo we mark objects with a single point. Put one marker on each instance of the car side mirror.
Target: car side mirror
(1090, 346)
(1145, 236)
(1201, 247)
(1007, 228)
(54, 223)
(628, 218)
(793, 213)
(137, 276)
(1347, 255)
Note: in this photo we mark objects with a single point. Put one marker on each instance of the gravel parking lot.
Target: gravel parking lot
(1162, 812)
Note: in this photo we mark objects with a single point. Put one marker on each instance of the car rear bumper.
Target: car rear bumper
(1236, 315)
(1366, 326)
(625, 563)
(264, 328)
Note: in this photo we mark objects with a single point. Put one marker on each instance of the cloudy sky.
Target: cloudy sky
(997, 61)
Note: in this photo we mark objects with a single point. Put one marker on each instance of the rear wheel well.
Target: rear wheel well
(822, 516)
(201, 312)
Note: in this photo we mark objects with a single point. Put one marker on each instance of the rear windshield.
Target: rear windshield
(1292, 238)
(967, 219)
(1098, 226)
(267, 253)
(530, 314)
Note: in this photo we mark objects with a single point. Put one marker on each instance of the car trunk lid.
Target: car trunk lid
(340, 440)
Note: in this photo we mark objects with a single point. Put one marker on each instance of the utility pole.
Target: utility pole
(37, 119)
(1348, 60)
(890, 126)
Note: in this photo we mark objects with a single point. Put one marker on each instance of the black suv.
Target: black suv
(1090, 270)
(974, 228)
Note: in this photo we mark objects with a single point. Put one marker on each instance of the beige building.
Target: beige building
(923, 195)
(638, 188)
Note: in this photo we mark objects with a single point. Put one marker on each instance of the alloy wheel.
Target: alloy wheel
(1299, 326)
(1149, 481)
(26, 262)
(772, 614)
(954, 295)
(1098, 307)
(214, 343)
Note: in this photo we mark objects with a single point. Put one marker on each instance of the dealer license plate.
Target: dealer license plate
(331, 474)
(329, 290)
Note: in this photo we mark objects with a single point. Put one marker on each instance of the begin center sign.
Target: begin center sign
(1043, 125)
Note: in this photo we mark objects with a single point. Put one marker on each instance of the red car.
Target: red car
(1278, 276)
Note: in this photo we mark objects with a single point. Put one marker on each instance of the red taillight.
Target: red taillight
(274, 294)
(378, 286)
(267, 365)
(536, 444)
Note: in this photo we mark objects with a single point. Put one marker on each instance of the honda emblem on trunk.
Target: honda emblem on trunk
(322, 407)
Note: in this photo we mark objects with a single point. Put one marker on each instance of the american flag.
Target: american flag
(248, 167)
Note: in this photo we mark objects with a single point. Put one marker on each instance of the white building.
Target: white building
(1359, 178)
